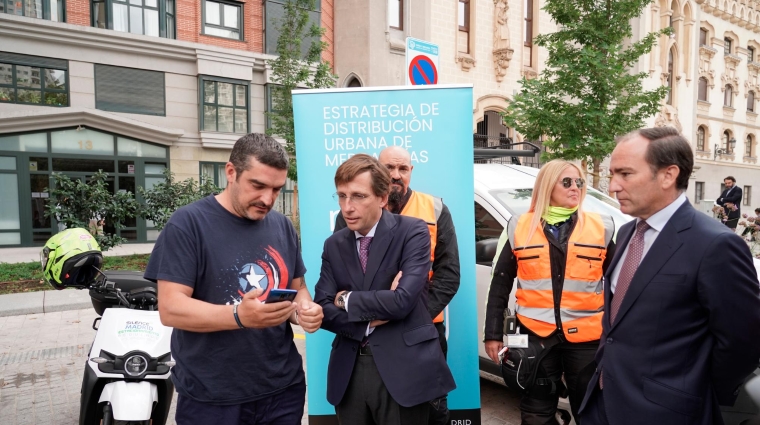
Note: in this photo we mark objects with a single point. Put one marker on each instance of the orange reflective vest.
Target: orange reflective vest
(582, 301)
(427, 208)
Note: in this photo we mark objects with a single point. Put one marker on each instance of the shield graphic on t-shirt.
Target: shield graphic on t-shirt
(252, 276)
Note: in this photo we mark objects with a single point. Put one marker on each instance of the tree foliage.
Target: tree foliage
(89, 204)
(293, 68)
(160, 202)
(587, 95)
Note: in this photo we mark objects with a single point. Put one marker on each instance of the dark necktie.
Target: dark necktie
(364, 244)
(627, 270)
(631, 263)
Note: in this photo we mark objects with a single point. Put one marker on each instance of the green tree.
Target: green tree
(89, 204)
(160, 202)
(295, 68)
(587, 93)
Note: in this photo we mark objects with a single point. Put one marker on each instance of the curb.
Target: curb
(44, 302)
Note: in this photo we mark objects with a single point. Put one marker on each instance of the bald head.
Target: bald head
(399, 162)
(396, 152)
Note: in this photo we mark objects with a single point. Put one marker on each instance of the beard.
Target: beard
(241, 208)
(395, 198)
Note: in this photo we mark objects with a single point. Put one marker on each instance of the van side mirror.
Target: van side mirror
(485, 250)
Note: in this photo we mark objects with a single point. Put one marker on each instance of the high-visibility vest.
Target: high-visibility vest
(582, 302)
(427, 208)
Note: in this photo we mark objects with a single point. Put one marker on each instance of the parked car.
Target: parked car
(504, 190)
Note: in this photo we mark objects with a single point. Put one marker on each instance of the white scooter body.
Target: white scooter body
(121, 331)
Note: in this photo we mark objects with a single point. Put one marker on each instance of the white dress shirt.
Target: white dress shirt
(656, 223)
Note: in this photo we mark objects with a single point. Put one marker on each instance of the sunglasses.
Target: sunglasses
(568, 181)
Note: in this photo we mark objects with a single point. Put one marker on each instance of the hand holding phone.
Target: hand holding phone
(277, 295)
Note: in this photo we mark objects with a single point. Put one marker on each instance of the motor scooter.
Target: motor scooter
(127, 374)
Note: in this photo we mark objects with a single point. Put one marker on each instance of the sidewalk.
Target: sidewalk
(25, 255)
(52, 301)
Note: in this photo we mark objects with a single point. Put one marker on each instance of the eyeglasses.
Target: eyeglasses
(568, 181)
(356, 198)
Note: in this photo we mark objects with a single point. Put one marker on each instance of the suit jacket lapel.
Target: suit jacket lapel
(350, 256)
(666, 244)
(380, 243)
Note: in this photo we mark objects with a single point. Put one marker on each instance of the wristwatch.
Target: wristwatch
(342, 299)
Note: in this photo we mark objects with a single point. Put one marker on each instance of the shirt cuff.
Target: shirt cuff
(370, 329)
(345, 303)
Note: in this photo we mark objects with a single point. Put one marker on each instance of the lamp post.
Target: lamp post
(716, 151)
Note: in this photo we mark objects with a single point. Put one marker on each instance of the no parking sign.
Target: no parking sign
(421, 62)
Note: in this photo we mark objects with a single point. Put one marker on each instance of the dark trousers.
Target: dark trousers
(368, 402)
(282, 408)
(594, 413)
(572, 361)
(439, 408)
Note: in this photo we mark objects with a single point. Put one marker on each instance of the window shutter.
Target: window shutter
(129, 90)
(6, 57)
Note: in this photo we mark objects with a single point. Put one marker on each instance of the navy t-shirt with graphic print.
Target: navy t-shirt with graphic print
(223, 256)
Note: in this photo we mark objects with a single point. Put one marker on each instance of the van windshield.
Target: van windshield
(517, 201)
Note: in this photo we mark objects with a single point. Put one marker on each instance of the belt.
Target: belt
(365, 350)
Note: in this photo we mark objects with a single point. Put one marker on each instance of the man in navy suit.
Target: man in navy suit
(386, 362)
(682, 302)
(731, 200)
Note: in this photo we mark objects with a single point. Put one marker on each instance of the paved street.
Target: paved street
(42, 358)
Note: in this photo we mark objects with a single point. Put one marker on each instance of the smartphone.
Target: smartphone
(277, 295)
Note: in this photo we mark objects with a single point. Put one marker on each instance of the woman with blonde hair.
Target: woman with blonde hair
(557, 254)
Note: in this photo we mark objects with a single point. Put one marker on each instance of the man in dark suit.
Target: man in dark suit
(682, 302)
(386, 362)
(731, 200)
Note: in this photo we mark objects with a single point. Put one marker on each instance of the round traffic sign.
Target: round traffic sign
(422, 71)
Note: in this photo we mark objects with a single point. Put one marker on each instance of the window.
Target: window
(214, 171)
(727, 46)
(223, 19)
(528, 39)
(224, 105)
(274, 12)
(147, 17)
(699, 191)
(751, 101)
(129, 90)
(747, 196)
(728, 96)
(702, 37)
(486, 226)
(396, 14)
(669, 94)
(701, 138)
(748, 146)
(52, 10)
(464, 26)
(728, 143)
(702, 95)
(750, 54)
(354, 82)
(33, 80)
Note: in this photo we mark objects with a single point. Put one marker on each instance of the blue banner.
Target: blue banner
(434, 123)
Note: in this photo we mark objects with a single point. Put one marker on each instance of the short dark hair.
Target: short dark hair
(362, 163)
(667, 147)
(730, 178)
(265, 149)
(757, 210)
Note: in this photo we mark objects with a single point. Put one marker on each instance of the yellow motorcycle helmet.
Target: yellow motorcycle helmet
(71, 258)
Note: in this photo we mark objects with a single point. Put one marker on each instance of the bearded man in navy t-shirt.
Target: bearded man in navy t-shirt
(215, 261)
